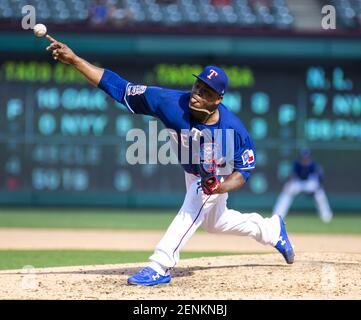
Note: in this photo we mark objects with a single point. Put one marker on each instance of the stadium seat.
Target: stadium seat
(348, 12)
(241, 13)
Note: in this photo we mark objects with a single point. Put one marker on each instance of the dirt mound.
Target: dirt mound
(266, 276)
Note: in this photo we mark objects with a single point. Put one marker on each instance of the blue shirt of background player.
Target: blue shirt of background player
(172, 108)
(304, 171)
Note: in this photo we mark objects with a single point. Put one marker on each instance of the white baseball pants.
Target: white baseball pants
(212, 214)
(296, 186)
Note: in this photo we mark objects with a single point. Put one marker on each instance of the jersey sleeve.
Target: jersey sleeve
(244, 156)
(138, 99)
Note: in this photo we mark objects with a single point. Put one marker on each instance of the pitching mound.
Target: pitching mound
(264, 276)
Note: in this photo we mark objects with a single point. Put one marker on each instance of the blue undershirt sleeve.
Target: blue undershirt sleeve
(138, 99)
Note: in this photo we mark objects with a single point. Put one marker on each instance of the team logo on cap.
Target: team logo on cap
(212, 74)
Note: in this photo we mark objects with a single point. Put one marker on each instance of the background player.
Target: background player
(307, 177)
(196, 111)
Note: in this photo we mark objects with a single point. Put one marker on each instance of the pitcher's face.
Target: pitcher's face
(203, 101)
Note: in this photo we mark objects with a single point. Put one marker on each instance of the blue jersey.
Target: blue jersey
(304, 172)
(172, 108)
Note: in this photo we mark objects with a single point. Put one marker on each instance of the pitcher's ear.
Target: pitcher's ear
(219, 100)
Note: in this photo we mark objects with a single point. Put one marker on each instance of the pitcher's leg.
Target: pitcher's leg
(263, 230)
(189, 218)
(183, 226)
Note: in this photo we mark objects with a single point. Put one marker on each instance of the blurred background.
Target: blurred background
(292, 83)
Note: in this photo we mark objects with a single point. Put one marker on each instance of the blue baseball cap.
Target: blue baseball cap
(305, 153)
(214, 77)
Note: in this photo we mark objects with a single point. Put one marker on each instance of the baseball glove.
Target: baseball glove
(210, 161)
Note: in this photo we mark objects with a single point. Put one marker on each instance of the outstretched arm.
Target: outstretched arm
(64, 54)
(138, 99)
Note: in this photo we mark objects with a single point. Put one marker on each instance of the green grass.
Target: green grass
(17, 259)
(85, 219)
(349, 223)
(341, 224)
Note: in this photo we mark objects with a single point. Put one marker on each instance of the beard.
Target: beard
(201, 115)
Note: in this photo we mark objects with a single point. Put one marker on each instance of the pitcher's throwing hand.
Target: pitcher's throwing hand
(61, 51)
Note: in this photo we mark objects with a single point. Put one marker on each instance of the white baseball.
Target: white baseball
(40, 30)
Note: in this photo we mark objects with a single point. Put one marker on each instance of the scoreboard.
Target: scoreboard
(63, 141)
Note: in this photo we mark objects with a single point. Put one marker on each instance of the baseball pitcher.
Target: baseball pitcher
(208, 180)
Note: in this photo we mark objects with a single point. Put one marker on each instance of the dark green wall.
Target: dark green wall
(313, 47)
